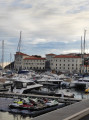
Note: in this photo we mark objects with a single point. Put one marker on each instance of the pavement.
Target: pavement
(66, 112)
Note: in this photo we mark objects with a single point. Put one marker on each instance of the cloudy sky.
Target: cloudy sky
(48, 26)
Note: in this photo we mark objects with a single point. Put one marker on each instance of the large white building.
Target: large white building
(63, 63)
(58, 63)
(18, 62)
(24, 61)
(34, 63)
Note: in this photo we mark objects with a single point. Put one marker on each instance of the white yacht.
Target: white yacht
(82, 82)
(24, 86)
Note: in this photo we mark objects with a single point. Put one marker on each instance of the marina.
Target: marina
(44, 60)
(37, 94)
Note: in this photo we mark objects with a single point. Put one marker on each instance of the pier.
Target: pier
(75, 110)
(71, 112)
(60, 99)
(8, 98)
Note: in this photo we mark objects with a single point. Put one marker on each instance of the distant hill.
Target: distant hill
(0, 67)
(10, 66)
(4, 64)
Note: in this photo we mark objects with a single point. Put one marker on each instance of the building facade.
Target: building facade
(58, 63)
(65, 63)
(34, 63)
(24, 61)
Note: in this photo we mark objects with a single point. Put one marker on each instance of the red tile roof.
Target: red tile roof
(34, 58)
(66, 56)
(20, 53)
(51, 54)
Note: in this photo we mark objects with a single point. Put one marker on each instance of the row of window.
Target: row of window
(34, 68)
(65, 60)
(34, 63)
(65, 68)
(35, 60)
(67, 65)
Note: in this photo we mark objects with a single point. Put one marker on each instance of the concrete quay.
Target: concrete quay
(60, 99)
(72, 112)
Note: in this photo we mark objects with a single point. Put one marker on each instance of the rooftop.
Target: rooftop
(66, 56)
(20, 53)
(51, 54)
(34, 58)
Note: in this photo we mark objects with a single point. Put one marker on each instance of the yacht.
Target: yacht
(82, 82)
(24, 86)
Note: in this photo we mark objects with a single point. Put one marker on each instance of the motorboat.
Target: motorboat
(24, 86)
(51, 103)
(21, 105)
(64, 93)
(82, 83)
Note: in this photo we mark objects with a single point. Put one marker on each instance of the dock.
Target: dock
(71, 109)
(71, 112)
(60, 99)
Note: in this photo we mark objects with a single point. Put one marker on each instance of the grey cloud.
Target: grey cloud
(43, 21)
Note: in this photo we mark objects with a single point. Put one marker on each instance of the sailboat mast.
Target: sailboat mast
(84, 49)
(84, 39)
(19, 50)
(19, 44)
(81, 70)
(2, 54)
(81, 47)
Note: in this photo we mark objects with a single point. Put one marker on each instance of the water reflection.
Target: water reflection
(8, 116)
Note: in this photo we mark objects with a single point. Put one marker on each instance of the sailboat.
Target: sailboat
(82, 82)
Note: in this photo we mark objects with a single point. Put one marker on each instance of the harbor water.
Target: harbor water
(8, 116)
(79, 94)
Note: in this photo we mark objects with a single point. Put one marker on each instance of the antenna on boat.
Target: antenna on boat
(19, 43)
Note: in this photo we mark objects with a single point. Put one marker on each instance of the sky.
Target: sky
(48, 26)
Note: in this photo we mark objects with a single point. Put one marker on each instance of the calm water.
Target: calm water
(8, 116)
